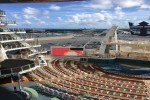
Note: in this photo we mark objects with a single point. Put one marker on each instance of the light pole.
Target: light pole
(19, 82)
(116, 41)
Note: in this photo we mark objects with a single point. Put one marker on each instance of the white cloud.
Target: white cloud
(107, 4)
(42, 22)
(54, 7)
(16, 16)
(86, 18)
(47, 17)
(107, 18)
(119, 13)
(30, 11)
(95, 13)
(28, 16)
(45, 12)
(101, 4)
(28, 22)
(128, 3)
(108, 22)
(145, 6)
(107, 15)
(31, 17)
(59, 18)
(136, 16)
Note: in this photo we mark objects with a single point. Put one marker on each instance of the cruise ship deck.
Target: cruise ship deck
(86, 65)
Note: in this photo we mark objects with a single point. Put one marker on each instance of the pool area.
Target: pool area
(122, 65)
(126, 70)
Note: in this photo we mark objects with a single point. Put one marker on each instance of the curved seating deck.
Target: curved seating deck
(85, 78)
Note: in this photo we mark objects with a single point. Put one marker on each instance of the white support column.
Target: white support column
(116, 41)
(19, 82)
(2, 53)
(109, 34)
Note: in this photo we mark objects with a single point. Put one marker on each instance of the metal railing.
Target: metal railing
(10, 39)
(27, 44)
(10, 71)
(7, 47)
(2, 13)
(5, 22)
(14, 30)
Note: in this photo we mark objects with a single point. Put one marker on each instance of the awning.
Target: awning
(33, 93)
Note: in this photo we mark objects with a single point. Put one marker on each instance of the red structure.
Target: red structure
(66, 51)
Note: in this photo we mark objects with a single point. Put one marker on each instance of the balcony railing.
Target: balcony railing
(23, 37)
(10, 71)
(9, 39)
(14, 30)
(7, 47)
(7, 22)
(14, 38)
(2, 13)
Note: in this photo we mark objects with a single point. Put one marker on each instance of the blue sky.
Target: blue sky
(80, 14)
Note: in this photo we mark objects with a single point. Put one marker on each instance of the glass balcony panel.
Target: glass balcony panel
(7, 21)
(25, 67)
(2, 13)
(5, 71)
(16, 70)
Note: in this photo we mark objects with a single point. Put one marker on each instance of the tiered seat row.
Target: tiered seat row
(84, 78)
(55, 92)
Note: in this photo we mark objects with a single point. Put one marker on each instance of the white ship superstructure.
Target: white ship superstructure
(13, 46)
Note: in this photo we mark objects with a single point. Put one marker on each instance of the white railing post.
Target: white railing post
(29, 66)
(11, 70)
(19, 82)
(22, 68)
(11, 75)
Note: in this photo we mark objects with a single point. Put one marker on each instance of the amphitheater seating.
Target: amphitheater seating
(77, 78)
(53, 91)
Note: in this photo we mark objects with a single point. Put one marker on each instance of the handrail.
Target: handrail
(10, 39)
(2, 13)
(13, 30)
(20, 46)
(10, 71)
(7, 22)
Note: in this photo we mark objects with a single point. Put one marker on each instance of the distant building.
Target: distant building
(143, 29)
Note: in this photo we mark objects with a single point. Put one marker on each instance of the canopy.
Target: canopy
(55, 98)
(33, 93)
